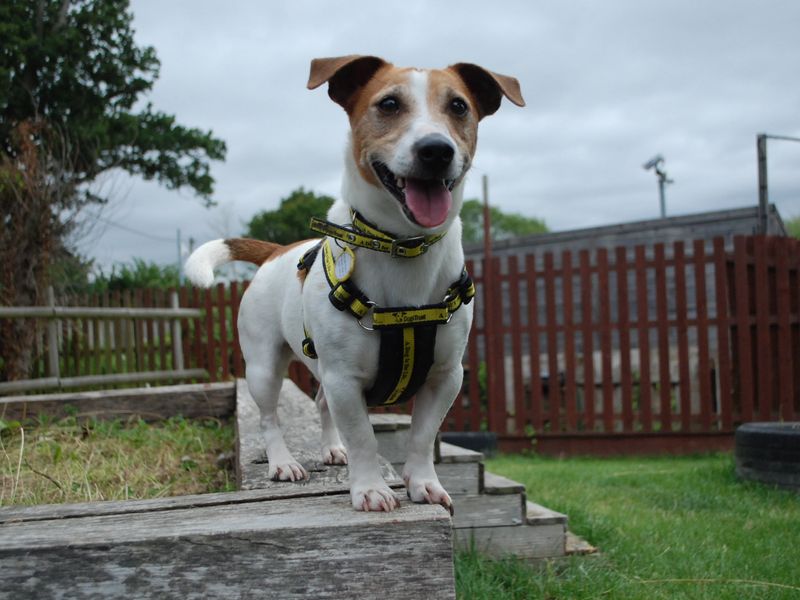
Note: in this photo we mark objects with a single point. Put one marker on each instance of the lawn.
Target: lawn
(666, 528)
(80, 461)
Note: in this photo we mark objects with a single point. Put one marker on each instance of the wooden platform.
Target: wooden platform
(272, 540)
(234, 545)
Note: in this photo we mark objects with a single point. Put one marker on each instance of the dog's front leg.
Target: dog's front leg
(430, 407)
(368, 490)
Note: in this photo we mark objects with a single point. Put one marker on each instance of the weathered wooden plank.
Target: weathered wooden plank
(643, 339)
(783, 301)
(763, 347)
(488, 511)
(302, 429)
(222, 323)
(570, 388)
(605, 339)
(664, 378)
(533, 340)
(703, 363)
(553, 387)
(721, 290)
(389, 421)
(450, 453)
(587, 337)
(493, 312)
(523, 542)
(624, 328)
(152, 404)
(475, 413)
(497, 485)
(536, 514)
(460, 479)
(519, 416)
(741, 289)
(310, 548)
(682, 330)
(236, 351)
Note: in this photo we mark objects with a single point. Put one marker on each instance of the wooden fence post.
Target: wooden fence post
(52, 338)
(177, 335)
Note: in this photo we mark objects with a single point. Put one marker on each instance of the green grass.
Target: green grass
(666, 528)
(80, 461)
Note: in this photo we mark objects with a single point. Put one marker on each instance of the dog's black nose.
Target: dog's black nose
(434, 151)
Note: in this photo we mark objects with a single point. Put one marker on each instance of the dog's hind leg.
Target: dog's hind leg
(264, 378)
(430, 407)
(333, 451)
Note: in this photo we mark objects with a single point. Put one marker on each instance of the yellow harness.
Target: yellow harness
(408, 333)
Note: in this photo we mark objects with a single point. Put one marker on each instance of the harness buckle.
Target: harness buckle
(401, 247)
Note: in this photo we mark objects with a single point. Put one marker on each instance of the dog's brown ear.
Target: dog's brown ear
(488, 88)
(345, 75)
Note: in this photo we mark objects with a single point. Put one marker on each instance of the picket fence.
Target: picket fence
(652, 348)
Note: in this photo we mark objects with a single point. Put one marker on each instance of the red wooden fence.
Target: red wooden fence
(649, 348)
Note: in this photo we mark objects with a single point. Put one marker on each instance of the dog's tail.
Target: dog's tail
(200, 265)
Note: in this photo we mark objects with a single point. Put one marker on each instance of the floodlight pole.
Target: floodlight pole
(763, 191)
(662, 202)
(663, 179)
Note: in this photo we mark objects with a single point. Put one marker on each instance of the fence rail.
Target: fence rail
(655, 347)
(108, 332)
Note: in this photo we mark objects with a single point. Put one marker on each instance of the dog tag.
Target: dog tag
(345, 262)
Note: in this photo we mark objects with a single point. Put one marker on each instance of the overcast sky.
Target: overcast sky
(608, 85)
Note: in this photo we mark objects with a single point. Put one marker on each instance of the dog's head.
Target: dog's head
(413, 132)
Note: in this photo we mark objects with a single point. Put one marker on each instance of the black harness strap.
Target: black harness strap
(405, 358)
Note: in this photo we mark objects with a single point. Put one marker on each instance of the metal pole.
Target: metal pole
(662, 201)
(763, 192)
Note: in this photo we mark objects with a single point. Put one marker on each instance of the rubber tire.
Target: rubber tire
(769, 453)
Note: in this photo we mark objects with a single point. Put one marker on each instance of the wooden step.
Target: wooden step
(391, 432)
(460, 470)
(234, 545)
(497, 485)
(525, 542)
(536, 514)
(302, 429)
(448, 453)
(488, 511)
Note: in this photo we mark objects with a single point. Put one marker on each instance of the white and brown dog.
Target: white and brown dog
(412, 140)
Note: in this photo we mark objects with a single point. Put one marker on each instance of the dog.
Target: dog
(367, 299)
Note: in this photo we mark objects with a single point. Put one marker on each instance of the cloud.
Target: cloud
(608, 86)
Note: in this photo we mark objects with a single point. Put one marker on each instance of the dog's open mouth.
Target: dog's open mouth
(425, 202)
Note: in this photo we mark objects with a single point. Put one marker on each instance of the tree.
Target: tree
(504, 225)
(136, 275)
(70, 74)
(289, 223)
(793, 227)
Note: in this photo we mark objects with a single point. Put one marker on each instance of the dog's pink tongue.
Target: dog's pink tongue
(428, 201)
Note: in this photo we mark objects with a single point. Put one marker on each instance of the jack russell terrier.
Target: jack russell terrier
(379, 309)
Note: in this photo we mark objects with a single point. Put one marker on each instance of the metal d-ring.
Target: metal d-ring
(370, 306)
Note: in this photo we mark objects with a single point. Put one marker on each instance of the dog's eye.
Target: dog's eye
(389, 105)
(458, 107)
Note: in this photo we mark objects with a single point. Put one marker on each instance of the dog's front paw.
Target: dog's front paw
(430, 491)
(287, 471)
(375, 498)
(334, 455)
